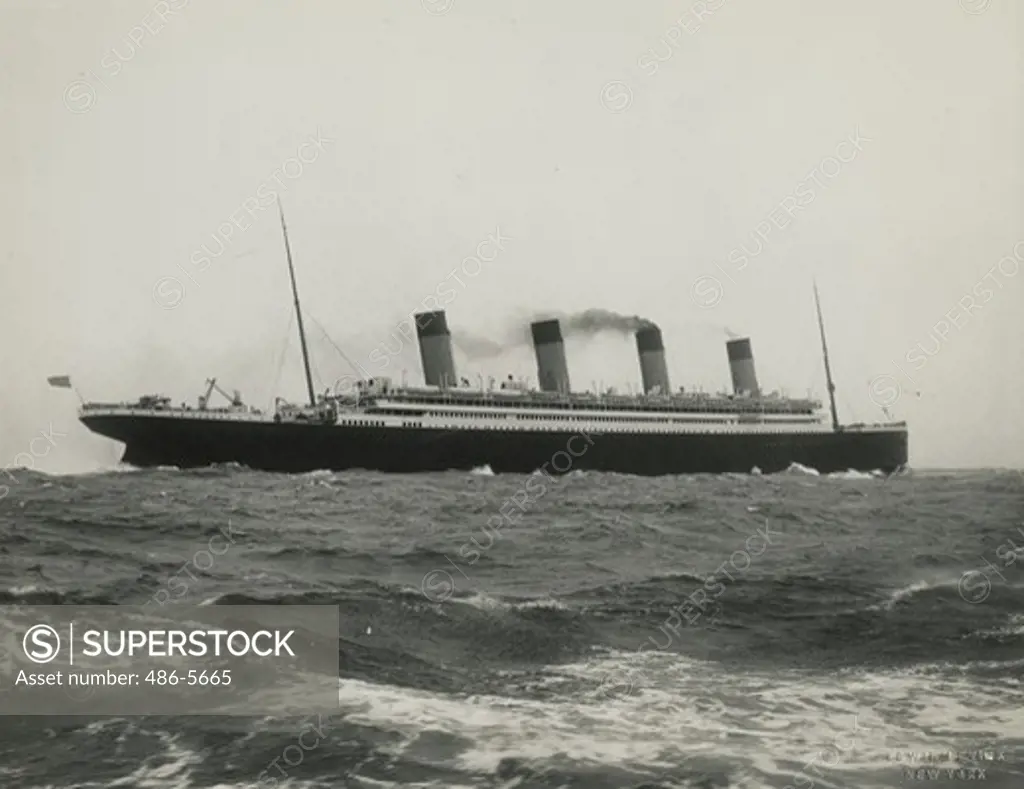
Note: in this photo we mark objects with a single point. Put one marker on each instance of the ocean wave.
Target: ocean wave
(288, 598)
(319, 473)
(485, 602)
(679, 719)
(797, 468)
(854, 607)
(312, 551)
(45, 595)
(1011, 629)
(851, 474)
(905, 593)
(118, 468)
(16, 592)
(217, 470)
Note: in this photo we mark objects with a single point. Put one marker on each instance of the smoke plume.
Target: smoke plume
(587, 323)
(597, 320)
(475, 346)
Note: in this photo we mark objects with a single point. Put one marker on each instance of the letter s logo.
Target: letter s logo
(46, 642)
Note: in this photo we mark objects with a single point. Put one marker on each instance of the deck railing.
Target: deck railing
(118, 409)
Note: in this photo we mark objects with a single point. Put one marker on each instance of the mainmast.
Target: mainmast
(828, 369)
(298, 311)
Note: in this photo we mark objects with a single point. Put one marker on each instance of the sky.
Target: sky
(696, 163)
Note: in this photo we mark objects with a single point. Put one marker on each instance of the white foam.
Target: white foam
(119, 468)
(1014, 627)
(482, 471)
(485, 602)
(174, 774)
(908, 591)
(796, 468)
(680, 708)
(22, 591)
(853, 474)
(541, 602)
(482, 601)
(373, 783)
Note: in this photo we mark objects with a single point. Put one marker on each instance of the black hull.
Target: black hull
(190, 443)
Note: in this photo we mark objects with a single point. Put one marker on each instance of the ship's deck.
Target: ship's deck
(501, 420)
(695, 402)
(177, 412)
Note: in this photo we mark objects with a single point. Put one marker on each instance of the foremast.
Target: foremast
(828, 369)
(298, 312)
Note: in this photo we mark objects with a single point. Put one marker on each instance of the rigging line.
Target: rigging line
(849, 408)
(341, 353)
(319, 379)
(280, 362)
(320, 382)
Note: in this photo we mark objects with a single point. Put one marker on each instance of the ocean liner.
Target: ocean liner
(448, 424)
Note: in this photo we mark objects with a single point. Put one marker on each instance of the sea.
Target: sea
(590, 630)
